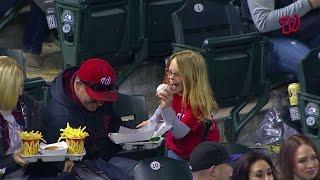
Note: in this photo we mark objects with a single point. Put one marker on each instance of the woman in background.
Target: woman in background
(254, 166)
(298, 159)
(18, 112)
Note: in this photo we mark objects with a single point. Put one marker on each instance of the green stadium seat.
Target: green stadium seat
(10, 14)
(158, 25)
(309, 95)
(93, 29)
(236, 68)
(192, 25)
(35, 87)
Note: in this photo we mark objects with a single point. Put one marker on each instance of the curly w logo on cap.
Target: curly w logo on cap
(99, 79)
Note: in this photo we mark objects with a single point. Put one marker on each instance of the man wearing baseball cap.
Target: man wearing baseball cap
(209, 161)
(84, 96)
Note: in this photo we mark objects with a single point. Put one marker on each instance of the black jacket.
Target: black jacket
(62, 109)
(31, 111)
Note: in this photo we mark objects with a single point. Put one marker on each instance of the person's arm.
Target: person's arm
(179, 129)
(156, 116)
(266, 18)
(116, 121)
(7, 161)
(153, 119)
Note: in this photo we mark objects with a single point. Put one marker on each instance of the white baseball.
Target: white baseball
(161, 87)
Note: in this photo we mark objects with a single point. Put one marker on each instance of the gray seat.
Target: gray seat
(132, 109)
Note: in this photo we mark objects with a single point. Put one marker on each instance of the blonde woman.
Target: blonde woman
(18, 112)
(12, 119)
(186, 104)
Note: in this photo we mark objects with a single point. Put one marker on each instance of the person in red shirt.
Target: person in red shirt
(186, 103)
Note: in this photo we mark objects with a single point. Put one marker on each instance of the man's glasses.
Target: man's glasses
(100, 87)
(170, 73)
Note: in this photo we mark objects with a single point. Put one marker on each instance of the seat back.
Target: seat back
(16, 54)
(36, 87)
(11, 12)
(309, 95)
(159, 31)
(132, 109)
(235, 67)
(99, 29)
(160, 168)
(309, 74)
(194, 22)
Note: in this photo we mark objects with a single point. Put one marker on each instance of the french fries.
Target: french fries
(30, 142)
(74, 138)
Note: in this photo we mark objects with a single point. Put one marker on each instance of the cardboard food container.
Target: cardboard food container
(59, 148)
(30, 147)
(75, 146)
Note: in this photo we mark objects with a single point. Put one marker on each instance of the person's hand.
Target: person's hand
(142, 124)
(165, 97)
(68, 165)
(315, 3)
(17, 158)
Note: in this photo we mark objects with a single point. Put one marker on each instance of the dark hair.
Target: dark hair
(285, 163)
(242, 169)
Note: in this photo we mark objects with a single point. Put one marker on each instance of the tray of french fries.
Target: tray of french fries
(72, 148)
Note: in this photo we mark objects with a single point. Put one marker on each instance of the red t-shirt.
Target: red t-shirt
(184, 146)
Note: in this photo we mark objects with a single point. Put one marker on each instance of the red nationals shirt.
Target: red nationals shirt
(184, 146)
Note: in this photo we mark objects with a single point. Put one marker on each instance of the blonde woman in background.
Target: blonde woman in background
(18, 112)
(12, 118)
(186, 103)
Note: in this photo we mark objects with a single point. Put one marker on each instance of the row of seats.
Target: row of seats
(137, 30)
(236, 61)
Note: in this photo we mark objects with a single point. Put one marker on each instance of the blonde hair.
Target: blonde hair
(11, 81)
(197, 90)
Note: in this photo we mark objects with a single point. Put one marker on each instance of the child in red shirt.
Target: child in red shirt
(185, 104)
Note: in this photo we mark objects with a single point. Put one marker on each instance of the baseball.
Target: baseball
(161, 87)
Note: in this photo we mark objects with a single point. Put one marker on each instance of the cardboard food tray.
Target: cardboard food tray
(54, 158)
(120, 138)
(142, 145)
(127, 135)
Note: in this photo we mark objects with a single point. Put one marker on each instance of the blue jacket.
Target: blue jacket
(62, 109)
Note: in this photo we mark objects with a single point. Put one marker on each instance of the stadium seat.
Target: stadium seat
(237, 73)
(35, 87)
(10, 14)
(309, 95)
(160, 168)
(158, 25)
(192, 26)
(16, 54)
(236, 61)
(132, 109)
